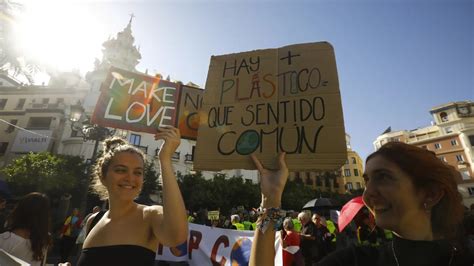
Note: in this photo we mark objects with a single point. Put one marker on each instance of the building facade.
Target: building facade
(37, 118)
(33, 118)
(344, 180)
(450, 137)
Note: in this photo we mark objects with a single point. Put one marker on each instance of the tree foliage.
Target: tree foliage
(150, 179)
(47, 173)
(225, 193)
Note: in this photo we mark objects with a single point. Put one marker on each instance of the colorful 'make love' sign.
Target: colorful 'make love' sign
(142, 103)
(271, 101)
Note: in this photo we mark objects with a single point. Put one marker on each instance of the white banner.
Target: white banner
(26, 141)
(215, 246)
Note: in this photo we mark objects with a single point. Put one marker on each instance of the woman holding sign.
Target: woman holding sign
(409, 191)
(128, 234)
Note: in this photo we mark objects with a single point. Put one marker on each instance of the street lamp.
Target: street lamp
(80, 122)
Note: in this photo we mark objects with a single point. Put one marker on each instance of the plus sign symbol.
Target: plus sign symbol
(289, 56)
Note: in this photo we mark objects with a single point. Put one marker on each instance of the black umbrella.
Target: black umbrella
(318, 203)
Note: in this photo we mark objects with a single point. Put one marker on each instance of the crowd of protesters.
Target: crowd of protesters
(306, 237)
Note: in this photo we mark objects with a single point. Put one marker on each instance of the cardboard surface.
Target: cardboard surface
(142, 103)
(269, 101)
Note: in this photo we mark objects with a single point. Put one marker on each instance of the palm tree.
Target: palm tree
(10, 58)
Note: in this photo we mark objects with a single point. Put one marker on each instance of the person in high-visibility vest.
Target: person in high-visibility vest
(235, 220)
(296, 222)
(333, 230)
(247, 223)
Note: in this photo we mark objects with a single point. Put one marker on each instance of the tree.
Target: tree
(150, 179)
(47, 173)
(150, 184)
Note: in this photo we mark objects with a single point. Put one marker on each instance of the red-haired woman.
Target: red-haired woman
(410, 192)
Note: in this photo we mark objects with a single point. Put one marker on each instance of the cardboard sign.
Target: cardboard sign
(271, 101)
(213, 215)
(142, 103)
(190, 102)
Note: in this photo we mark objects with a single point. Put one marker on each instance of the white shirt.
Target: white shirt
(18, 247)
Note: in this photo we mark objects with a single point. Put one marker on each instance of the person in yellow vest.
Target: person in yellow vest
(333, 230)
(190, 217)
(247, 223)
(235, 220)
(253, 220)
(296, 222)
(369, 234)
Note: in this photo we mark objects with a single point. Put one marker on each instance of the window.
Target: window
(188, 157)
(20, 104)
(454, 142)
(11, 127)
(349, 186)
(309, 181)
(176, 155)
(75, 133)
(459, 158)
(3, 147)
(39, 122)
(442, 158)
(358, 186)
(353, 160)
(3, 102)
(471, 140)
(327, 182)
(347, 172)
(135, 139)
(471, 191)
(45, 100)
(318, 181)
(356, 172)
(443, 116)
(347, 161)
(437, 146)
(448, 130)
(465, 175)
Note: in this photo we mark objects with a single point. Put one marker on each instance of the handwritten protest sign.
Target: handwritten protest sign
(271, 101)
(142, 103)
(213, 215)
(190, 102)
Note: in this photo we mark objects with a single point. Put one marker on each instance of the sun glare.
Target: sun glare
(59, 35)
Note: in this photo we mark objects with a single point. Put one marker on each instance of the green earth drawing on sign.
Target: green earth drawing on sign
(247, 143)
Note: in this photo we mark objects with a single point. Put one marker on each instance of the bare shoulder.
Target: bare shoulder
(90, 219)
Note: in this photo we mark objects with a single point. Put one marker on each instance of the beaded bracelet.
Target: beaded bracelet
(276, 215)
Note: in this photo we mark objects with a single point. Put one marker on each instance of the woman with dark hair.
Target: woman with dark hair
(129, 233)
(410, 192)
(27, 236)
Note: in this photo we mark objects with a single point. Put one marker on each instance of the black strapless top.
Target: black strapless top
(408, 252)
(117, 255)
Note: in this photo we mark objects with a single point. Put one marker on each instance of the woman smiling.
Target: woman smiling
(129, 233)
(410, 192)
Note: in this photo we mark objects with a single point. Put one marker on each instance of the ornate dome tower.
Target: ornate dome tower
(118, 52)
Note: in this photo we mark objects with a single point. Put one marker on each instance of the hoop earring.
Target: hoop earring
(427, 209)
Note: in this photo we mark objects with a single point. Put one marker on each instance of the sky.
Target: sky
(396, 59)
